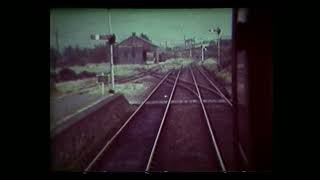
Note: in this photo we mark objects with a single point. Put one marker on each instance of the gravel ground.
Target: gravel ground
(184, 144)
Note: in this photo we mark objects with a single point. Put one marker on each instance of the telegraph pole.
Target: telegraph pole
(111, 53)
(218, 31)
(202, 52)
(191, 46)
(55, 61)
(219, 55)
(58, 49)
(166, 45)
(57, 40)
(110, 39)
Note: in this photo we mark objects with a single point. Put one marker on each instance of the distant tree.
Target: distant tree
(72, 55)
(54, 57)
(99, 53)
(80, 56)
(67, 51)
(85, 52)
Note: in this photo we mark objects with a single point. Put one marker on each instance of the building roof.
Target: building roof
(138, 37)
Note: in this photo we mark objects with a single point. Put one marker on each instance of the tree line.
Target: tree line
(78, 56)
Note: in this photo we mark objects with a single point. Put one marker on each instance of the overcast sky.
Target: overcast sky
(75, 25)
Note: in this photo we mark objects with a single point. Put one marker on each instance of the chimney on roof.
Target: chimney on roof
(133, 34)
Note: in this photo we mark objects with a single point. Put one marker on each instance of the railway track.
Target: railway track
(128, 149)
(180, 146)
(218, 113)
(141, 74)
(169, 137)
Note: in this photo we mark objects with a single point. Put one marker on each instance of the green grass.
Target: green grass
(210, 64)
(73, 86)
(130, 69)
(225, 75)
(127, 89)
(174, 64)
(121, 70)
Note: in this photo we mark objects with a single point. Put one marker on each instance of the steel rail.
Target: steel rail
(190, 83)
(186, 87)
(183, 86)
(162, 122)
(124, 125)
(212, 84)
(222, 165)
(200, 86)
(242, 153)
(139, 75)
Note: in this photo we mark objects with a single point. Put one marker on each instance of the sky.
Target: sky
(74, 26)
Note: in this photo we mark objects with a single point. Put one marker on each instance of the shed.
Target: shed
(133, 50)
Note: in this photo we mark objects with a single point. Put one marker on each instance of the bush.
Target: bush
(67, 74)
(86, 74)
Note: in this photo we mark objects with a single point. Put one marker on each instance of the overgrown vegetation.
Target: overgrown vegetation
(67, 74)
(75, 78)
(172, 64)
(119, 69)
(224, 74)
(128, 89)
(210, 64)
(123, 70)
